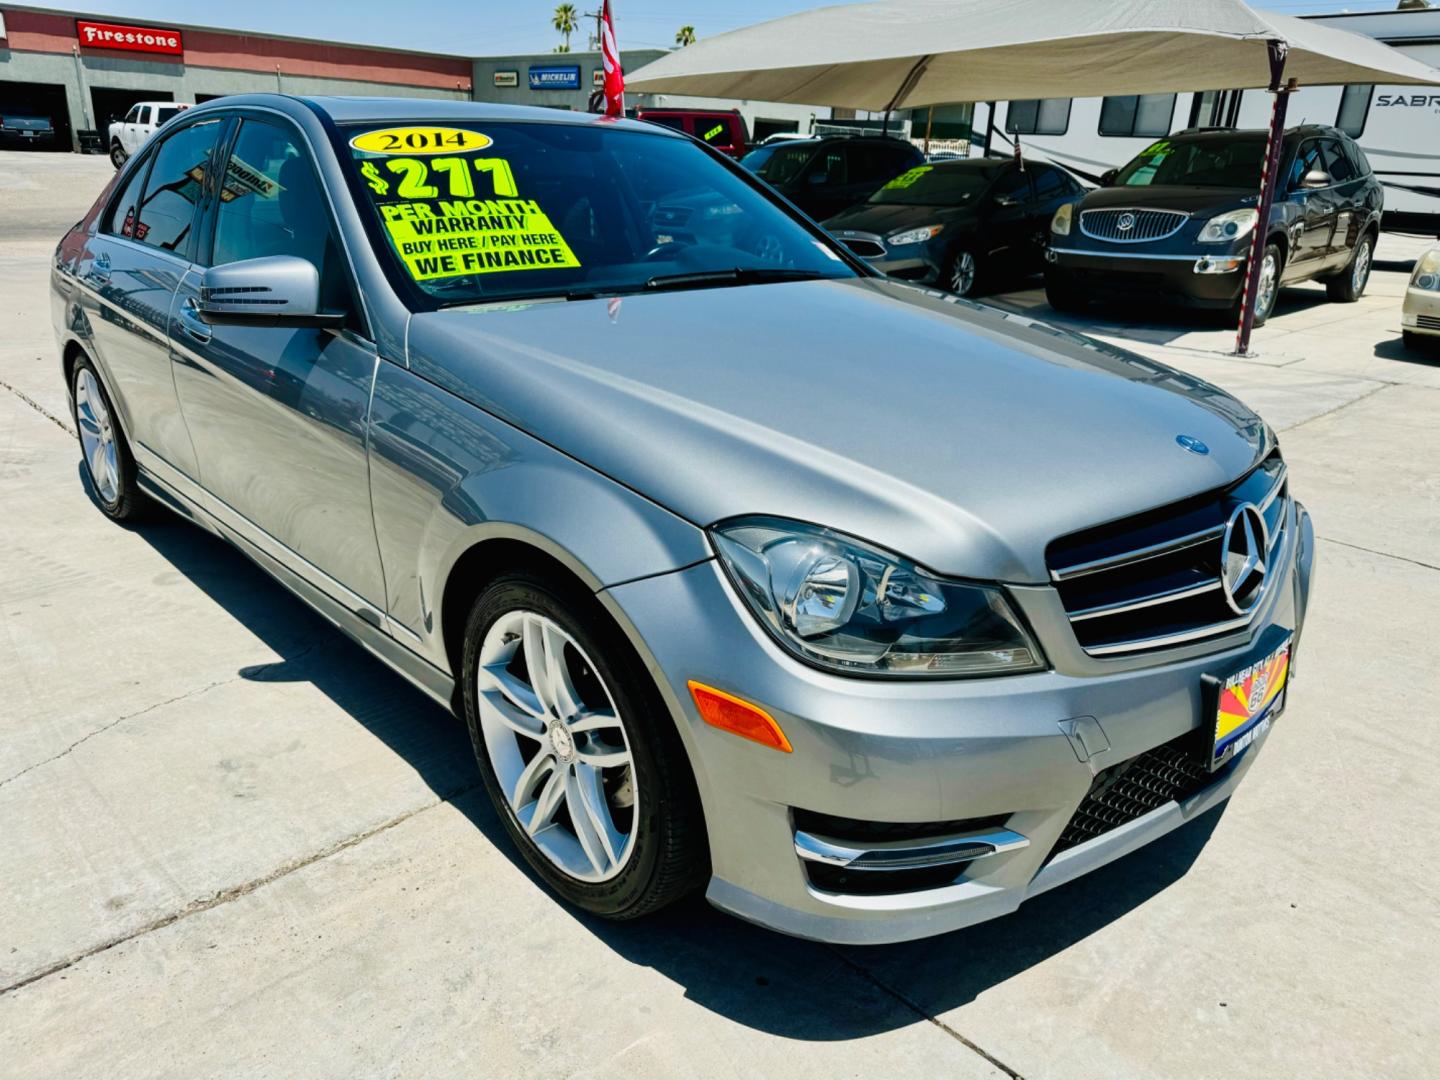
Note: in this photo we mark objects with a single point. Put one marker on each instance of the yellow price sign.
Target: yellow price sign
(420, 140)
(909, 177)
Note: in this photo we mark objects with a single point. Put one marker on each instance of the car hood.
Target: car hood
(963, 437)
(1193, 199)
(886, 218)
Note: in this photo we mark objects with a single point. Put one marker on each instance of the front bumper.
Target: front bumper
(1020, 750)
(1421, 311)
(1193, 278)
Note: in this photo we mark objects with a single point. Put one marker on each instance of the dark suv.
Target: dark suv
(1175, 223)
(826, 175)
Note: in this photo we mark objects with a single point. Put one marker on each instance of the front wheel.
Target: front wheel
(962, 273)
(1267, 288)
(118, 156)
(578, 752)
(1349, 285)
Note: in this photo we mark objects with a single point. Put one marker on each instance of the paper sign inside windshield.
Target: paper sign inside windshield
(909, 177)
(462, 214)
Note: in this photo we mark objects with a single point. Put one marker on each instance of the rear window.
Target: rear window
(164, 113)
(484, 212)
(1202, 163)
(715, 130)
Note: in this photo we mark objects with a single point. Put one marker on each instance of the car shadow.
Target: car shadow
(784, 986)
(1396, 349)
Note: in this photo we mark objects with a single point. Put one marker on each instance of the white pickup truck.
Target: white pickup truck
(129, 134)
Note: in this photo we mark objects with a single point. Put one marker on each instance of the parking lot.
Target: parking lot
(236, 845)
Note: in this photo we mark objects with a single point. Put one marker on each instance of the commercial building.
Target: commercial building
(84, 71)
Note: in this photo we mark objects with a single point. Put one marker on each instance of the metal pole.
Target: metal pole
(1268, 179)
(989, 127)
(929, 123)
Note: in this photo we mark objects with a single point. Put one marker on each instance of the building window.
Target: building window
(1137, 115)
(1050, 116)
(1354, 109)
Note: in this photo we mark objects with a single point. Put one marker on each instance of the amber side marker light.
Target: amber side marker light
(730, 713)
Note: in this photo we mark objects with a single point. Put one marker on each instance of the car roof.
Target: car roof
(346, 110)
(1218, 134)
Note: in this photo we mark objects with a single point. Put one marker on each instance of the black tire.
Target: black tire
(1061, 295)
(963, 273)
(670, 857)
(118, 156)
(1349, 285)
(1264, 308)
(126, 502)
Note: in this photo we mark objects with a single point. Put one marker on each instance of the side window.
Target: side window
(167, 212)
(122, 220)
(133, 116)
(146, 112)
(714, 130)
(1013, 185)
(1048, 116)
(1362, 163)
(1354, 109)
(1049, 184)
(666, 120)
(272, 204)
(872, 163)
(1137, 115)
(1337, 162)
(828, 167)
(1307, 159)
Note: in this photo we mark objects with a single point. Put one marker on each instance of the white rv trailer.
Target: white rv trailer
(1397, 126)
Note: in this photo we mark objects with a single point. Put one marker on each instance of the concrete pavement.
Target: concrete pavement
(235, 845)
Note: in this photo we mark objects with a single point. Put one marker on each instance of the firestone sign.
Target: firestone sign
(98, 35)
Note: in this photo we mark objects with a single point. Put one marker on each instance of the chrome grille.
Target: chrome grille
(1428, 322)
(1153, 581)
(1131, 226)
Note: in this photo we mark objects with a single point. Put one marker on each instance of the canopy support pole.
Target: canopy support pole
(905, 87)
(1274, 147)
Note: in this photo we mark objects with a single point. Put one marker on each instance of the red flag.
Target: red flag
(614, 73)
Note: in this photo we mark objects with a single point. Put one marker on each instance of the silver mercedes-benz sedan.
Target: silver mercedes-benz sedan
(869, 611)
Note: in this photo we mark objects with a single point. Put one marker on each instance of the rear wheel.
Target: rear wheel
(1349, 285)
(109, 464)
(578, 752)
(118, 156)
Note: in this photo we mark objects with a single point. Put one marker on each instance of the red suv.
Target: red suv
(723, 129)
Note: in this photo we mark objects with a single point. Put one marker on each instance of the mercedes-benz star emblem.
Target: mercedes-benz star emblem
(1125, 223)
(1242, 558)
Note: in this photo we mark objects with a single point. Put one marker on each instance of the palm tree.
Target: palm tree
(685, 36)
(566, 20)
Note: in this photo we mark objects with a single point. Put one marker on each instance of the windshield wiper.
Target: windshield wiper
(752, 275)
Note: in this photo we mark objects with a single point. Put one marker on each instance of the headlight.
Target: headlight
(1427, 272)
(1226, 227)
(844, 605)
(916, 236)
(1060, 223)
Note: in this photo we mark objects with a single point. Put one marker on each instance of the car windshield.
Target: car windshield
(481, 212)
(1228, 162)
(938, 185)
(780, 163)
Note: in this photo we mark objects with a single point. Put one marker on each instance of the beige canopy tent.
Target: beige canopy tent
(911, 53)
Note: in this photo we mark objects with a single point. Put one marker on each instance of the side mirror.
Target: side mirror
(1107, 177)
(1315, 178)
(277, 290)
(1006, 200)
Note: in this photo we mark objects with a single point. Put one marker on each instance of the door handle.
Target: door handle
(192, 323)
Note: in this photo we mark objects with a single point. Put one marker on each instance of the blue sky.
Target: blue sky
(478, 28)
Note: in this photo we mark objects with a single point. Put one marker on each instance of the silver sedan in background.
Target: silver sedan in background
(869, 611)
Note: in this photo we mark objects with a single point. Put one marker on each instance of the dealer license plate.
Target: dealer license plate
(1249, 700)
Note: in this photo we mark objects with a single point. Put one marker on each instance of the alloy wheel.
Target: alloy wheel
(962, 274)
(1360, 272)
(1269, 276)
(97, 436)
(558, 746)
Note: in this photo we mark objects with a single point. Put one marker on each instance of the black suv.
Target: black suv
(824, 176)
(1175, 223)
